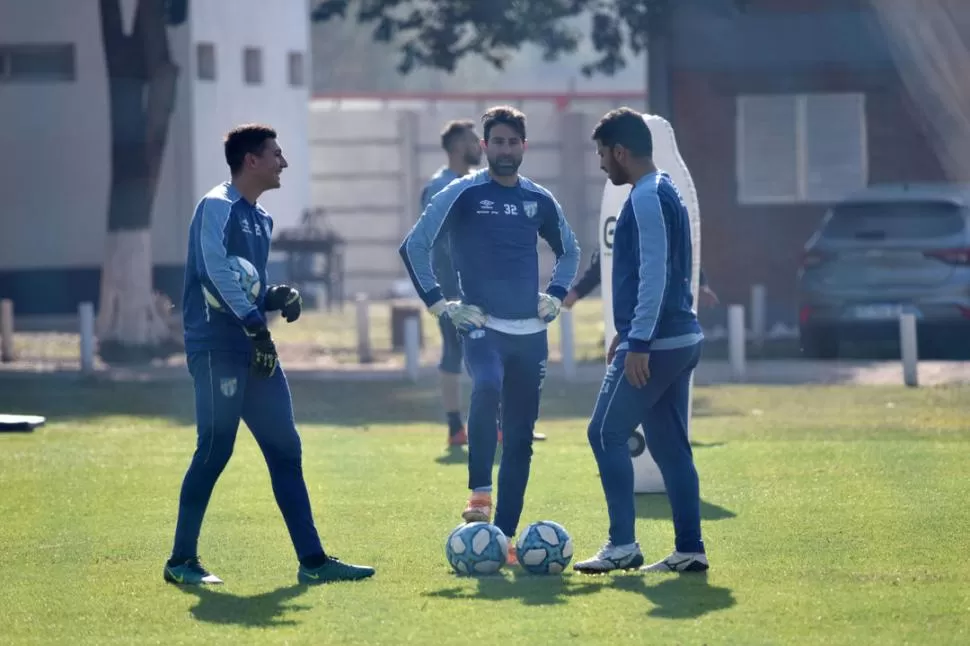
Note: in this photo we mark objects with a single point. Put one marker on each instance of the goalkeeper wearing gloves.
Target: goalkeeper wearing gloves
(234, 365)
(492, 219)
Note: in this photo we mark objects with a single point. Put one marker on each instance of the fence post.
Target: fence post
(6, 331)
(759, 315)
(908, 345)
(86, 315)
(364, 354)
(736, 341)
(567, 343)
(412, 348)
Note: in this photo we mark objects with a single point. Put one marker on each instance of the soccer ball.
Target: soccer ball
(544, 548)
(477, 548)
(245, 274)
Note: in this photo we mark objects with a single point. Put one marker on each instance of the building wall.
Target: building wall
(774, 49)
(56, 191)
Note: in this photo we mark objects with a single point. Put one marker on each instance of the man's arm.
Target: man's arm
(217, 276)
(652, 241)
(591, 279)
(558, 234)
(416, 249)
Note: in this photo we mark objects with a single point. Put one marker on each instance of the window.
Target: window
(37, 63)
(252, 66)
(297, 74)
(205, 61)
(800, 148)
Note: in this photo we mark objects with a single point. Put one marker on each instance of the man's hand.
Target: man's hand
(611, 353)
(549, 307)
(707, 297)
(636, 367)
(465, 317)
(264, 359)
(286, 299)
(570, 299)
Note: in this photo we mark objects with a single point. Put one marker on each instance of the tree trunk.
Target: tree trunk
(142, 84)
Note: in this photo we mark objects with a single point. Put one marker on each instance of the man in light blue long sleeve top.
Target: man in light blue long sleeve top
(656, 348)
(233, 361)
(493, 219)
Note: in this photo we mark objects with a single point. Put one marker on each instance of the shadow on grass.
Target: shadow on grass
(457, 455)
(655, 506)
(686, 596)
(258, 611)
(530, 590)
(334, 403)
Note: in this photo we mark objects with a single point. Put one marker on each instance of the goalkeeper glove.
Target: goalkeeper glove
(264, 360)
(465, 317)
(549, 307)
(286, 299)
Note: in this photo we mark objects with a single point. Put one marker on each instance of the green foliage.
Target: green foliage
(439, 34)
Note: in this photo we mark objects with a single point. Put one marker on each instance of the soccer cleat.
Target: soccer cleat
(190, 572)
(479, 508)
(333, 570)
(611, 557)
(513, 557)
(538, 437)
(680, 562)
(459, 438)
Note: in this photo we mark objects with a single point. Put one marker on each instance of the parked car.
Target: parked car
(884, 251)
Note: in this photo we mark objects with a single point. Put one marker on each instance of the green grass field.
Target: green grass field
(832, 516)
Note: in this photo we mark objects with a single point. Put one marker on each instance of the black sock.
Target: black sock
(314, 560)
(454, 422)
(180, 560)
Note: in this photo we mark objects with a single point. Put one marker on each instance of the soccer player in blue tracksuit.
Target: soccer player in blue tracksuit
(461, 143)
(656, 348)
(492, 219)
(233, 361)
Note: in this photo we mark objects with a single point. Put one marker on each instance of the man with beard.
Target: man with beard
(656, 348)
(492, 218)
(460, 142)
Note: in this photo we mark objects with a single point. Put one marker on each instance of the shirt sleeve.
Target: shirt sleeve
(652, 273)
(417, 248)
(218, 276)
(556, 231)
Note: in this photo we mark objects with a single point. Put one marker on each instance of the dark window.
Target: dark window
(205, 60)
(894, 221)
(37, 63)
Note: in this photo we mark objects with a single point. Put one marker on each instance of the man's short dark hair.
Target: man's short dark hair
(453, 130)
(505, 114)
(625, 127)
(246, 139)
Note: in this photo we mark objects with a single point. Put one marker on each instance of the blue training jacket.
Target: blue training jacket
(493, 232)
(441, 258)
(652, 260)
(224, 224)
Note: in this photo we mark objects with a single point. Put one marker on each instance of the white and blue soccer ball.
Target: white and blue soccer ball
(477, 548)
(244, 273)
(544, 548)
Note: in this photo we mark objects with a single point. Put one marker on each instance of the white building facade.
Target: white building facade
(239, 61)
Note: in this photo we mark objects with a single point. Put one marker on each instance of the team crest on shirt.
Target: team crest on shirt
(531, 208)
(227, 386)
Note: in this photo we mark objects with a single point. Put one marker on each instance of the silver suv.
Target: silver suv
(885, 250)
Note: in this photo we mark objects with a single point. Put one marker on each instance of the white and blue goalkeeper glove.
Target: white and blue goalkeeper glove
(549, 307)
(464, 317)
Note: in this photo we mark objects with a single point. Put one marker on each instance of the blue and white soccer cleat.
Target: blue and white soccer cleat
(610, 557)
(680, 562)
